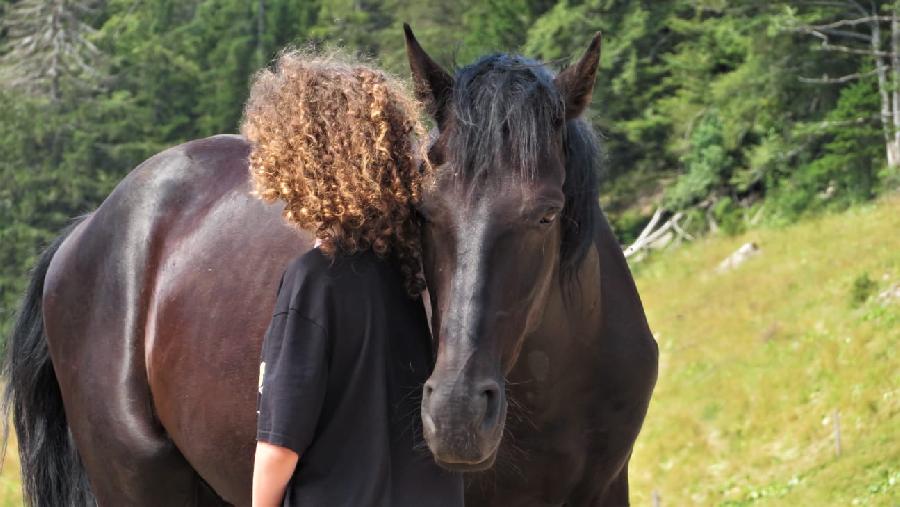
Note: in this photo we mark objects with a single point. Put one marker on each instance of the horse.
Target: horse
(132, 366)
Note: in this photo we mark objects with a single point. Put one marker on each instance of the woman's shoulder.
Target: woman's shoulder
(316, 265)
(313, 274)
(311, 263)
(306, 275)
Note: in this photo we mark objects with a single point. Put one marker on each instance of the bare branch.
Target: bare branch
(849, 22)
(845, 33)
(828, 46)
(650, 225)
(841, 123)
(681, 232)
(650, 235)
(853, 51)
(825, 79)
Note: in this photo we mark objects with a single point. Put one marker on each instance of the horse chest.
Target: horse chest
(536, 466)
(557, 428)
(540, 459)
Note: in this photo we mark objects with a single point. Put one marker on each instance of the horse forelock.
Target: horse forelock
(505, 113)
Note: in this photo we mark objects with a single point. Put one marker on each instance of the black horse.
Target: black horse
(132, 367)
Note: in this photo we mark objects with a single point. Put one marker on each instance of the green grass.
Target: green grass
(754, 362)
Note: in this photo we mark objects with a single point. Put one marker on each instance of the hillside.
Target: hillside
(754, 362)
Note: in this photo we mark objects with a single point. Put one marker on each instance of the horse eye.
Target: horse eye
(550, 216)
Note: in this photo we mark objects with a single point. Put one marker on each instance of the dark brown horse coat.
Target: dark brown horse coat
(154, 307)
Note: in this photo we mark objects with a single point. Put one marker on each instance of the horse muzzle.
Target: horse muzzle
(463, 422)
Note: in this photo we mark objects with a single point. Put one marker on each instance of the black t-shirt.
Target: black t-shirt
(343, 363)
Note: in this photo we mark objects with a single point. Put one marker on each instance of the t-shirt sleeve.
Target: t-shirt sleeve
(293, 378)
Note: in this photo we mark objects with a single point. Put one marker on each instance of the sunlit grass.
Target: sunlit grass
(754, 363)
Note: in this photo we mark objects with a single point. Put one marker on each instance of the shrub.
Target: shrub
(862, 289)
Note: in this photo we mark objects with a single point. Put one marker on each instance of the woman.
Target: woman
(348, 347)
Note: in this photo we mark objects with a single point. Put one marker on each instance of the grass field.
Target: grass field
(754, 364)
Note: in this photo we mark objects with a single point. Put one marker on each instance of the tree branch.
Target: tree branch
(853, 51)
(849, 22)
(841, 123)
(650, 235)
(845, 33)
(825, 79)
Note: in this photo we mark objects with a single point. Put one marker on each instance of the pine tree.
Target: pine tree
(48, 46)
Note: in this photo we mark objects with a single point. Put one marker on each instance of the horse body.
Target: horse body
(155, 306)
(158, 368)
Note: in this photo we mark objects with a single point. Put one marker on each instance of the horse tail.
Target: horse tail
(52, 473)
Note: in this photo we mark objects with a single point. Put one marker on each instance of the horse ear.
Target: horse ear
(432, 84)
(576, 82)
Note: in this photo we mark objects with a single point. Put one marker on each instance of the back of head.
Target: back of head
(338, 142)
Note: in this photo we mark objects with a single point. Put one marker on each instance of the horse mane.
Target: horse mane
(505, 109)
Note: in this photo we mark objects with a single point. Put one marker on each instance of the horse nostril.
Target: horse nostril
(427, 390)
(490, 393)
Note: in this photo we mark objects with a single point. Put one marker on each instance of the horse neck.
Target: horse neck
(578, 315)
(572, 315)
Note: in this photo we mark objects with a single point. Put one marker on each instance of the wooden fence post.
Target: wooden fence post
(837, 432)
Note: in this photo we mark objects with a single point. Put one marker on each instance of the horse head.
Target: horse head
(509, 217)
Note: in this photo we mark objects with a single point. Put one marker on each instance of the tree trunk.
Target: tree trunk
(887, 126)
(54, 70)
(260, 30)
(895, 82)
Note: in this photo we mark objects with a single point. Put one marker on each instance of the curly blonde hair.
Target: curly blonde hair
(338, 142)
